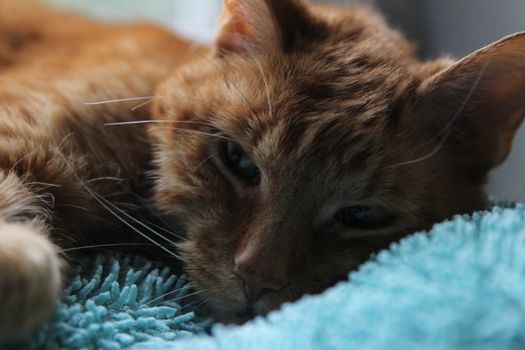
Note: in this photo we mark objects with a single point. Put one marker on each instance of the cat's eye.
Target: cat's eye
(238, 162)
(364, 218)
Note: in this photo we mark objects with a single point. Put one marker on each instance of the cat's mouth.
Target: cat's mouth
(238, 315)
(247, 314)
(244, 308)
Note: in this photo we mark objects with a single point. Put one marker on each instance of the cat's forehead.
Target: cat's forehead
(335, 76)
(338, 97)
(310, 102)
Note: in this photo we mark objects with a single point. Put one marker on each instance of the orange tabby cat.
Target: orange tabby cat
(308, 139)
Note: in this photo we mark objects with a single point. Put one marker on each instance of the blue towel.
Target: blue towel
(459, 286)
(114, 303)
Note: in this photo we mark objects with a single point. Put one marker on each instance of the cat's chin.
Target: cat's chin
(241, 314)
(234, 318)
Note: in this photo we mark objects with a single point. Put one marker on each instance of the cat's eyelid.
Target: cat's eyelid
(345, 233)
(238, 163)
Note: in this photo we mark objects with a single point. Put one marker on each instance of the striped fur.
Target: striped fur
(330, 104)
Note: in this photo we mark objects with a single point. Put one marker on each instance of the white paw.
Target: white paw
(29, 279)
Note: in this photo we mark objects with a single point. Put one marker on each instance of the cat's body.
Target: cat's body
(309, 139)
(54, 144)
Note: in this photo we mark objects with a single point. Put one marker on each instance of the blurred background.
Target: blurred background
(438, 27)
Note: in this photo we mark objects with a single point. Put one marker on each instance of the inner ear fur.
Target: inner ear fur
(263, 25)
(477, 105)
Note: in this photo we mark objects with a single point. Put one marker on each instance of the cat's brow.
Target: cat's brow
(226, 78)
(265, 81)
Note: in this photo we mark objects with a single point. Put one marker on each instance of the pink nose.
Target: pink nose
(259, 275)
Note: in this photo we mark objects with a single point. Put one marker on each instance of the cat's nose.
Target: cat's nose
(259, 275)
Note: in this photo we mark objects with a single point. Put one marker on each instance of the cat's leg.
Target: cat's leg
(30, 267)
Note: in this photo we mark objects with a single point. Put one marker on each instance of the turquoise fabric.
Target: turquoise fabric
(114, 303)
(459, 286)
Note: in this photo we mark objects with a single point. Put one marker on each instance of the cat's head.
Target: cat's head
(312, 137)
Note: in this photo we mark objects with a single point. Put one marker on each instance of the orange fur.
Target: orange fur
(336, 111)
(53, 144)
(330, 104)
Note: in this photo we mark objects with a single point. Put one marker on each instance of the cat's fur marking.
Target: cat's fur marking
(354, 119)
(330, 104)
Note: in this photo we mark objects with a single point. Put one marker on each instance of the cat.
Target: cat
(306, 139)
(53, 142)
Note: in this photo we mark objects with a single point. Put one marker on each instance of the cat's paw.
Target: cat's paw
(29, 279)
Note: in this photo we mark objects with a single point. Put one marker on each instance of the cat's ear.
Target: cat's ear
(479, 102)
(261, 25)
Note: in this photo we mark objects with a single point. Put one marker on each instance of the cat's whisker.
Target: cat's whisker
(155, 121)
(136, 122)
(196, 304)
(17, 163)
(153, 210)
(106, 178)
(127, 99)
(45, 184)
(95, 246)
(140, 105)
(48, 199)
(202, 163)
(143, 225)
(198, 132)
(186, 296)
(165, 230)
(107, 205)
(163, 296)
(65, 139)
(429, 155)
(75, 207)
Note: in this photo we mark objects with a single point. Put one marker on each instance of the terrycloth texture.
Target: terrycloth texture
(114, 303)
(461, 286)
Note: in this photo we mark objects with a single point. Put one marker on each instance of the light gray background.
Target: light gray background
(454, 27)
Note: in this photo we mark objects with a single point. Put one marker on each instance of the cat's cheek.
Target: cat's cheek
(211, 274)
(225, 301)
